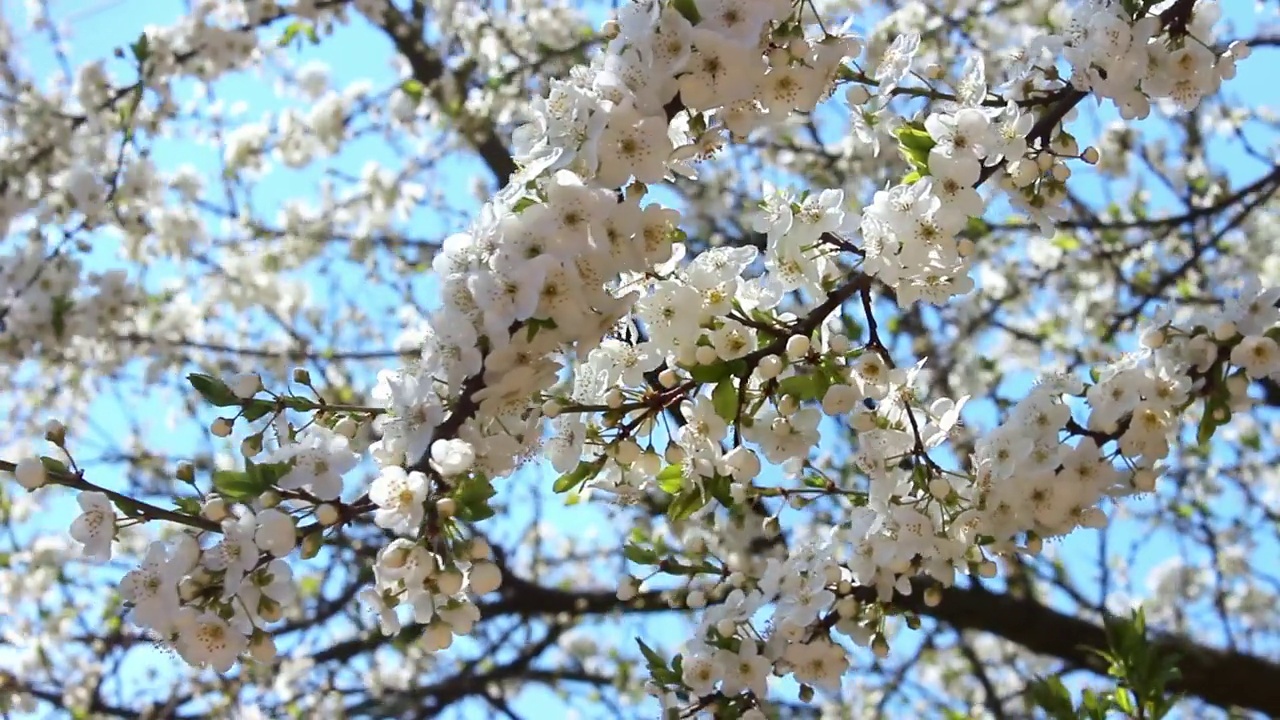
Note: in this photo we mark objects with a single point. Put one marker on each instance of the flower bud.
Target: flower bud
(55, 432)
(215, 509)
(244, 385)
(262, 648)
(269, 498)
(438, 636)
(797, 347)
(626, 589)
(787, 405)
(301, 376)
(649, 464)
(221, 427)
(270, 610)
(484, 577)
(626, 452)
(189, 589)
(327, 514)
(769, 367)
(857, 95)
(446, 507)
(251, 446)
(346, 427)
(311, 545)
(30, 473)
(449, 582)
(706, 355)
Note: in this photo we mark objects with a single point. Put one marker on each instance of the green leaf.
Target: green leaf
(725, 400)
(141, 48)
(1124, 701)
(238, 485)
(688, 9)
(671, 479)
(1216, 414)
(535, 325)
(1050, 695)
(413, 89)
(269, 473)
(639, 555)
(129, 507)
(708, 374)
(578, 476)
(914, 144)
(472, 495)
(1067, 242)
(257, 409)
(297, 30)
(689, 501)
(58, 314)
(214, 391)
(808, 387)
(55, 465)
(718, 487)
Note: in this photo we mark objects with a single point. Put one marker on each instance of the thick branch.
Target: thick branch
(1222, 678)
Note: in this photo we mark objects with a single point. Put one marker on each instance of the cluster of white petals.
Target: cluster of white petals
(574, 315)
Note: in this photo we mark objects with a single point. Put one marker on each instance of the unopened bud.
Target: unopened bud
(706, 355)
(311, 545)
(327, 514)
(215, 509)
(447, 507)
(302, 377)
(55, 432)
(251, 446)
(614, 398)
(797, 347)
(346, 427)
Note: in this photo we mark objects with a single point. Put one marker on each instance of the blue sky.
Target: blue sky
(100, 27)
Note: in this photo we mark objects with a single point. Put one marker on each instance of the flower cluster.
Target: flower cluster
(46, 298)
(1134, 59)
(571, 299)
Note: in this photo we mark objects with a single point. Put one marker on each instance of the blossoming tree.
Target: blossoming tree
(801, 358)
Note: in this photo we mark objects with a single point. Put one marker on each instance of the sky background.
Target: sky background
(99, 27)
